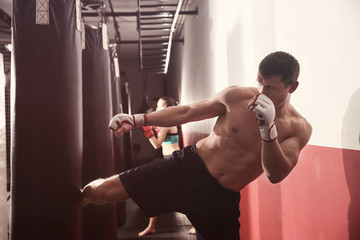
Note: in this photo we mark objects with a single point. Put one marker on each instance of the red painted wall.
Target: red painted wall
(320, 199)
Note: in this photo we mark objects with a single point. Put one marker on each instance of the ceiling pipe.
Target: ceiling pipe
(135, 14)
(171, 34)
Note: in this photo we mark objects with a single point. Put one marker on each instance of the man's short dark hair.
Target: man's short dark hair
(280, 64)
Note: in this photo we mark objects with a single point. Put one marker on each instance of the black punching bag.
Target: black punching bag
(117, 108)
(126, 108)
(119, 159)
(99, 222)
(46, 121)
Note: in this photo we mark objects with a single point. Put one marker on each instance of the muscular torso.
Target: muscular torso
(232, 151)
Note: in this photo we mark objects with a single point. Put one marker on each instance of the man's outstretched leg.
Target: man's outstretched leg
(102, 191)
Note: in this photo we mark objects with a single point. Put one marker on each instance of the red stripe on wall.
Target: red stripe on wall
(320, 199)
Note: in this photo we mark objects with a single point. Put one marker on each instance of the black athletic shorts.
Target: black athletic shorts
(182, 183)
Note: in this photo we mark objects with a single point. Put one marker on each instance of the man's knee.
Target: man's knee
(114, 189)
(105, 190)
(94, 191)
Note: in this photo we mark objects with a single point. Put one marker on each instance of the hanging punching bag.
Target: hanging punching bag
(126, 108)
(99, 222)
(119, 160)
(4, 206)
(46, 121)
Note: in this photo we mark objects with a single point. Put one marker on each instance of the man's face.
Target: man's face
(273, 88)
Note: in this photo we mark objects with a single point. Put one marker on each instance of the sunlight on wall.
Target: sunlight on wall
(248, 43)
(233, 44)
(327, 48)
(227, 40)
(218, 45)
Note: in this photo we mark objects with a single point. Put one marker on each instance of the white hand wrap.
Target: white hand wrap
(268, 132)
(265, 113)
(136, 120)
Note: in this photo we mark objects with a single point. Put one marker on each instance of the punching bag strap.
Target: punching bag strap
(79, 20)
(103, 26)
(42, 12)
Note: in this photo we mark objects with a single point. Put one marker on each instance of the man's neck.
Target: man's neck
(283, 108)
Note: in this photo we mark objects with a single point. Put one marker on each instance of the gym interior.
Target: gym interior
(68, 66)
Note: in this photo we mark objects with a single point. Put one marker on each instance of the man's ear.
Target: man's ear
(293, 86)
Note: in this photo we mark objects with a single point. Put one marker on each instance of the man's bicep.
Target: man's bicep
(178, 115)
(214, 106)
(217, 105)
(205, 109)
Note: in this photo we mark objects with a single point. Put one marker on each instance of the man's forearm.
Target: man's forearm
(275, 163)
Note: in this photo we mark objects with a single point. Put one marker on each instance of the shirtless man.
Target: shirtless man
(204, 181)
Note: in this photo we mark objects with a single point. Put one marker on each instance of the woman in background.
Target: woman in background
(170, 139)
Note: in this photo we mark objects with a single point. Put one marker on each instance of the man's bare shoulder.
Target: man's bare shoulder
(307, 130)
(236, 93)
(303, 127)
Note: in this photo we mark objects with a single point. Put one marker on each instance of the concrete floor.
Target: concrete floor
(171, 226)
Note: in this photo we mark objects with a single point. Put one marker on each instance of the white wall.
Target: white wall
(226, 41)
(326, 44)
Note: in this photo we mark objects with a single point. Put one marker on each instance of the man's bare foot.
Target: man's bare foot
(192, 231)
(147, 231)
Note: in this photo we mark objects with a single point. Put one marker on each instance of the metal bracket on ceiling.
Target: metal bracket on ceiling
(135, 14)
(97, 6)
(156, 33)
(156, 22)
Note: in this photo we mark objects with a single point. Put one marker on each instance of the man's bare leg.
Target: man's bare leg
(102, 191)
(151, 228)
